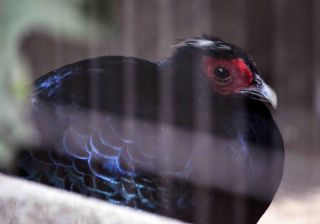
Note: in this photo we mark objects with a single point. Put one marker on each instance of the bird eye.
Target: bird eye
(221, 72)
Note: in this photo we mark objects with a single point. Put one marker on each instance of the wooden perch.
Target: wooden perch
(27, 202)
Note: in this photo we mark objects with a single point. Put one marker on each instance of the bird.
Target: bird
(211, 152)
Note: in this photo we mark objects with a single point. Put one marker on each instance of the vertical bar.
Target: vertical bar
(260, 40)
(316, 56)
(202, 109)
(92, 29)
(128, 27)
(166, 134)
(165, 28)
(165, 33)
(94, 85)
(292, 55)
(128, 24)
(260, 35)
(229, 22)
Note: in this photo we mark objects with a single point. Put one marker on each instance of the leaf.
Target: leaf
(17, 17)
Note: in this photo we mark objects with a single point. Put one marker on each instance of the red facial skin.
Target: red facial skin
(240, 75)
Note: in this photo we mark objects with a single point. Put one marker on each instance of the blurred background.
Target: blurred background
(283, 37)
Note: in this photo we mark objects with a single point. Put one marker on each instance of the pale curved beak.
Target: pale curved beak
(261, 91)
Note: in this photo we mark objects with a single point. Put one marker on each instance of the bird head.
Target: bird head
(229, 69)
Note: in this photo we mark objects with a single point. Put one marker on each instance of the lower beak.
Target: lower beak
(261, 91)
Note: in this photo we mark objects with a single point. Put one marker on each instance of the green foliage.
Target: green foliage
(17, 17)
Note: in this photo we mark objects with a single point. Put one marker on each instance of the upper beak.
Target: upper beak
(261, 91)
